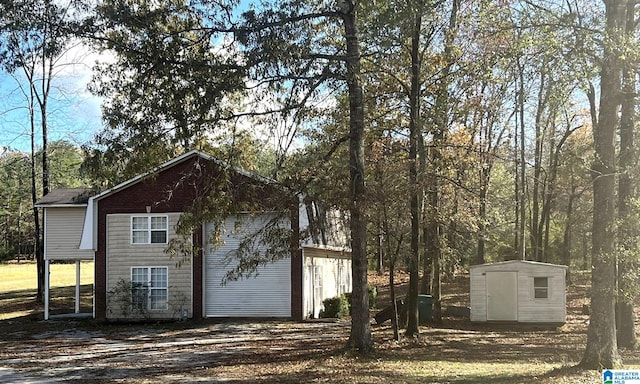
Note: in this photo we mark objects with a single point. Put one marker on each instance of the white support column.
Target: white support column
(46, 289)
(77, 286)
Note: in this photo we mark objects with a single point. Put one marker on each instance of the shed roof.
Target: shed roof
(66, 197)
(515, 262)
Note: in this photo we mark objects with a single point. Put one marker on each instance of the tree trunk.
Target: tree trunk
(627, 233)
(521, 246)
(360, 337)
(602, 349)
(482, 212)
(414, 187)
(37, 251)
(392, 289)
(536, 233)
(442, 106)
(567, 237)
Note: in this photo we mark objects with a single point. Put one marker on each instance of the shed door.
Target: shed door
(502, 296)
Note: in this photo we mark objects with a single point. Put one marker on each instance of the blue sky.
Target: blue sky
(74, 114)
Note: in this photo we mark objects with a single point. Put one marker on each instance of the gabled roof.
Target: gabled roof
(89, 229)
(66, 197)
(178, 160)
(514, 262)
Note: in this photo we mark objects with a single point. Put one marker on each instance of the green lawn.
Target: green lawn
(18, 285)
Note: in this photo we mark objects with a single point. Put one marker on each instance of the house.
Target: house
(295, 253)
(518, 291)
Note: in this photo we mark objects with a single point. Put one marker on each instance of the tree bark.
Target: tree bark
(414, 187)
(521, 242)
(602, 349)
(627, 233)
(360, 336)
(567, 237)
(37, 249)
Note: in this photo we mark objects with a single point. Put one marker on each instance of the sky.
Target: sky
(74, 113)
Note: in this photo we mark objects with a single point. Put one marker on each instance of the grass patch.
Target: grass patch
(18, 287)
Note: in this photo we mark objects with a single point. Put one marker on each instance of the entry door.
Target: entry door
(502, 296)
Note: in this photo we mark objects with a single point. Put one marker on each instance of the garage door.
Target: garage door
(266, 295)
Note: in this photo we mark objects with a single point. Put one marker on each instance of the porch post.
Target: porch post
(77, 286)
(46, 289)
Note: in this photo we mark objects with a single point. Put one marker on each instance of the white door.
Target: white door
(266, 295)
(502, 296)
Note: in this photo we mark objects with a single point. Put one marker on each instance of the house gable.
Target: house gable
(172, 188)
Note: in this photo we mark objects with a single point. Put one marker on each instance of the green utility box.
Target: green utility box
(425, 308)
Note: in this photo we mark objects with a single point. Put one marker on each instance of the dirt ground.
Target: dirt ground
(276, 351)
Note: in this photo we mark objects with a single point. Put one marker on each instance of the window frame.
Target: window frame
(149, 299)
(539, 289)
(148, 230)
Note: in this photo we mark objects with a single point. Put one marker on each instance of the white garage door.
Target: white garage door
(266, 295)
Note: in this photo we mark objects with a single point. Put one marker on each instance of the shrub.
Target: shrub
(335, 307)
(6, 254)
(373, 296)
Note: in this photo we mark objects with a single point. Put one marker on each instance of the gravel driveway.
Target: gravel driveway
(86, 351)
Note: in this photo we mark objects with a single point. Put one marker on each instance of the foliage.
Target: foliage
(335, 307)
(121, 302)
(372, 292)
(7, 254)
(270, 243)
(173, 85)
(16, 206)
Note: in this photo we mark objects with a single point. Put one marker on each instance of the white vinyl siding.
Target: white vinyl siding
(267, 294)
(327, 273)
(531, 277)
(122, 256)
(63, 231)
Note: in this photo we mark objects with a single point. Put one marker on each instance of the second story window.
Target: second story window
(149, 229)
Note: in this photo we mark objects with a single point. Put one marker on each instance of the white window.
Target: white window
(344, 277)
(318, 290)
(149, 288)
(541, 287)
(149, 229)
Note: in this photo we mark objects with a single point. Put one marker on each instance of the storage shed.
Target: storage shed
(518, 291)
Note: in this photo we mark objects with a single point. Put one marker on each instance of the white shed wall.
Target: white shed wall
(266, 295)
(63, 230)
(546, 310)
